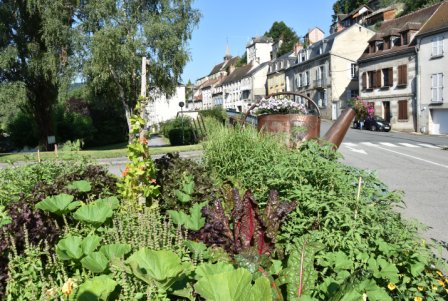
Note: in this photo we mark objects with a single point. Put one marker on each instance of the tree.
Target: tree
(117, 34)
(280, 31)
(413, 5)
(346, 6)
(35, 44)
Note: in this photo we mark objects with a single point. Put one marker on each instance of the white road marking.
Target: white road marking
(428, 145)
(409, 145)
(349, 144)
(361, 151)
(388, 144)
(413, 157)
(368, 143)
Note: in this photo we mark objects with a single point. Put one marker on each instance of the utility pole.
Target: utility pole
(143, 102)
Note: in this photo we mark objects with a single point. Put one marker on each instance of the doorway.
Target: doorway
(386, 108)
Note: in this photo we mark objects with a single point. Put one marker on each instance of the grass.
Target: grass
(110, 151)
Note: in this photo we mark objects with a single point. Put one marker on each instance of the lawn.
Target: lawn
(110, 151)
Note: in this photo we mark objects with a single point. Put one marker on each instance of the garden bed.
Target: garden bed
(253, 221)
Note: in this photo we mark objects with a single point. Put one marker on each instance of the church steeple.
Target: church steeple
(227, 56)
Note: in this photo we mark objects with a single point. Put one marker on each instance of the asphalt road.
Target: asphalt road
(413, 163)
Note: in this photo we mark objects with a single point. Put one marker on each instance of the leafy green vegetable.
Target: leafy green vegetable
(69, 248)
(112, 202)
(115, 250)
(95, 262)
(207, 269)
(90, 243)
(194, 221)
(95, 213)
(58, 204)
(162, 267)
(233, 285)
(81, 186)
(96, 289)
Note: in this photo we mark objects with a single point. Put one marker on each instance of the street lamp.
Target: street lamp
(181, 105)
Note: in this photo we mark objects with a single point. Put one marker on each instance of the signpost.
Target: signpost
(181, 105)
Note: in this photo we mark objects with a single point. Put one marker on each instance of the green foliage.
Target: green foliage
(96, 213)
(169, 168)
(161, 268)
(82, 186)
(98, 288)
(23, 130)
(233, 285)
(179, 131)
(137, 184)
(194, 221)
(280, 31)
(345, 7)
(217, 113)
(413, 5)
(58, 204)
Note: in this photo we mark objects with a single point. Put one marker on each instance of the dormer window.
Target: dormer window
(404, 38)
(395, 41)
(379, 45)
(372, 47)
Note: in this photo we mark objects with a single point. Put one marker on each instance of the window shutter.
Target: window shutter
(405, 74)
(364, 80)
(391, 76)
(378, 78)
(434, 46)
(434, 87)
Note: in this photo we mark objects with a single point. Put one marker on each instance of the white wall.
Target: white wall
(163, 109)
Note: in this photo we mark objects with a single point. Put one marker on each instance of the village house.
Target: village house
(388, 70)
(432, 58)
(326, 71)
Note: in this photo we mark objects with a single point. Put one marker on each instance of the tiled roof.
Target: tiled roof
(238, 74)
(419, 16)
(438, 21)
(262, 39)
(217, 68)
(411, 21)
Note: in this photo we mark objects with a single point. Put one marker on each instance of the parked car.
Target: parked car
(375, 123)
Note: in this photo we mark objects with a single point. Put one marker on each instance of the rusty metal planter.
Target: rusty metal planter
(296, 127)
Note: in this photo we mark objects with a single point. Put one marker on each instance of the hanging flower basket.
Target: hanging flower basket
(279, 114)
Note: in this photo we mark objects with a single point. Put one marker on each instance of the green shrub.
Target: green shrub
(23, 130)
(179, 131)
(217, 113)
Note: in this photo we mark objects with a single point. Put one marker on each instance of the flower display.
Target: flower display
(279, 106)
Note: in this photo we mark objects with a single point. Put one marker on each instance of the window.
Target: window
(364, 80)
(437, 46)
(402, 75)
(354, 71)
(437, 87)
(404, 38)
(299, 80)
(379, 45)
(388, 79)
(374, 79)
(395, 41)
(402, 110)
(306, 78)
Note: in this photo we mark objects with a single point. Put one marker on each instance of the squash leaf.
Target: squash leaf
(69, 248)
(115, 250)
(194, 221)
(90, 243)
(81, 186)
(112, 202)
(96, 289)
(94, 213)
(58, 204)
(233, 285)
(208, 269)
(162, 267)
(95, 262)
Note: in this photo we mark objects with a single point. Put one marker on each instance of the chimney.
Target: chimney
(297, 47)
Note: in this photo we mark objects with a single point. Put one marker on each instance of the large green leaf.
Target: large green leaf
(112, 202)
(58, 204)
(95, 262)
(90, 243)
(94, 213)
(81, 186)
(162, 267)
(96, 289)
(233, 285)
(197, 248)
(261, 290)
(194, 221)
(115, 250)
(207, 269)
(69, 248)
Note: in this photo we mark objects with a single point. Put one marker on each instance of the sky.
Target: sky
(233, 23)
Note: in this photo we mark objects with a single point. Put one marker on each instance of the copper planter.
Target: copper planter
(296, 127)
